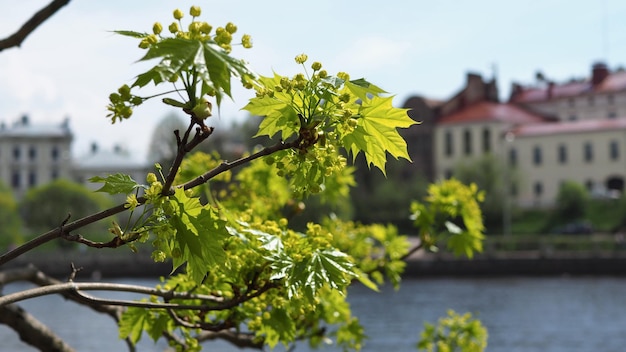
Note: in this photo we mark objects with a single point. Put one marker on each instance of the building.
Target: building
(31, 155)
(547, 132)
(102, 162)
(585, 146)
(35, 154)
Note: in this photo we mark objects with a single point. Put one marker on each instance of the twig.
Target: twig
(185, 147)
(27, 28)
(66, 287)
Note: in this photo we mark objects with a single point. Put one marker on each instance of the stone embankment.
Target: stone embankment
(103, 264)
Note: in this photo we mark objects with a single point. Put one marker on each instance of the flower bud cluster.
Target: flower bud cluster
(198, 30)
(121, 103)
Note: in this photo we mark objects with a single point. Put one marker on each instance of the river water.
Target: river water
(556, 314)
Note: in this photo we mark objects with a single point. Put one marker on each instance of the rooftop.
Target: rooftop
(571, 127)
(24, 128)
(102, 159)
(489, 111)
(602, 80)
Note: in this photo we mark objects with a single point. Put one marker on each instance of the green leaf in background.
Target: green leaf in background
(116, 184)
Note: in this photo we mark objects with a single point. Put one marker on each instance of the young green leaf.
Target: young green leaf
(116, 184)
(376, 134)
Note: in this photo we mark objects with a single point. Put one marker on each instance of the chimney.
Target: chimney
(599, 71)
(550, 90)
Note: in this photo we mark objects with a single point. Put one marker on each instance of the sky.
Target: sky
(71, 63)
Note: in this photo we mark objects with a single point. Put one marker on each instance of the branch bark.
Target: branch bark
(31, 330)
(33, 23)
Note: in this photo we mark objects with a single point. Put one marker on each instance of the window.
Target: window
(611, 114)
(17, 153)
(572, 117)
(513, 157)
(448, 148)
(486, 140)
(537, 157)
(614, 150)
(589, 185)
(467, 142)
(538, 189)
(55, 153)
(32, 179)
(447, 174)
(32, 153)
(562, 152)
(54, 174)
(571, 102)
(610, 99)
(16, 180)
(588, 152)
(591, 100)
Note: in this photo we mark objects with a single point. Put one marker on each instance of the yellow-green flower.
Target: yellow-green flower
(195, 11)
(131, 202)
(300, 59)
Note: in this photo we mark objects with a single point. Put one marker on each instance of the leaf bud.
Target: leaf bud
(157, 28)
(173, 27)
(246, 41)
(151, 178)
(195, 11)
(115, 98)
(178, 14)
(152, 39)
(202, 110)
(316, 66)
(144, 44)
(205, 28)
(231, 28)
(194, 27)
(124, 92)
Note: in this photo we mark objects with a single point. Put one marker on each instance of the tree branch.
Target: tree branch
(31, 330)
(202, 133)
(239, 339)
(27, 28)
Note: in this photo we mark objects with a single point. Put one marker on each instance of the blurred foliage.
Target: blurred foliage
(490, 174)
(454, 333)
(46, 207)
(11, 228)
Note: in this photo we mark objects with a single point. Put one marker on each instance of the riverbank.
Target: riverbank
(109, 264)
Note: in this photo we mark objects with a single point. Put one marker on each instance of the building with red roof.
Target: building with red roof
(547, 133)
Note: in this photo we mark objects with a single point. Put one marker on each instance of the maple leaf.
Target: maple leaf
(376, 133)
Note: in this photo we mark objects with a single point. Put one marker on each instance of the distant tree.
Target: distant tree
(163, 142)
(379, 198)
(47, 206)
(11, 224)
(571, 202)
(489, 173)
